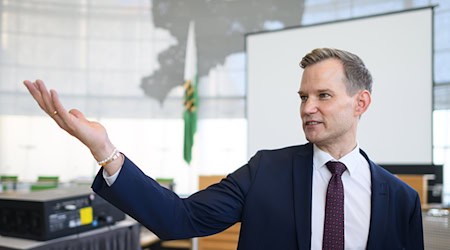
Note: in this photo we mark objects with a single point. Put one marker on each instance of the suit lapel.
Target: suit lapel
(379, 207)
(302, 181)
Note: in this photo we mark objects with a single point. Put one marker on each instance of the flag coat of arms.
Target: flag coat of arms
(190, 94)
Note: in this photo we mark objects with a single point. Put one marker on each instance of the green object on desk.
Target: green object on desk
(12, 178)
(8, 182)
(45, 182)
(166, 182)
(43, 178)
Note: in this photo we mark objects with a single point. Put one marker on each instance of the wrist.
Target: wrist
(110, 158)
(101, 152)
(113, 165)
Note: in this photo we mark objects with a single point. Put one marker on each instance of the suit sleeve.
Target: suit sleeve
(415, 237)
(169, 216)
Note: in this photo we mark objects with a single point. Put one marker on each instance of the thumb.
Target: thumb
(77, 114)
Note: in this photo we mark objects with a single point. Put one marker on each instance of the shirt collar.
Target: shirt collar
(320, 158)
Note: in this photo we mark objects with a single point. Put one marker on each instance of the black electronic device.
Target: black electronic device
(53, 213)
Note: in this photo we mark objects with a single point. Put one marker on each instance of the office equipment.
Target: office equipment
(53, 213)
(122, 235)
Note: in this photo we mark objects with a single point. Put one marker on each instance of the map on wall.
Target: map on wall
(220, 27)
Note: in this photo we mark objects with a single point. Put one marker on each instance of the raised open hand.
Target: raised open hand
(90, 133)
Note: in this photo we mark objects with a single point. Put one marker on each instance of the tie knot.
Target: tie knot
(336, 167)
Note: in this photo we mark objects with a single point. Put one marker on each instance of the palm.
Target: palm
(90, 133)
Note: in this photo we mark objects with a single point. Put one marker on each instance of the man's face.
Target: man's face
(329, 115)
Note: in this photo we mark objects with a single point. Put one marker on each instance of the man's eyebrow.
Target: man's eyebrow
(317, 91)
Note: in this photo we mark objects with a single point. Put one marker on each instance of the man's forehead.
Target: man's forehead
(327, 66)
(318, 86)
(323, 75)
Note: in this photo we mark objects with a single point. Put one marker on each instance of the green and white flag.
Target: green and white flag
(190, 94)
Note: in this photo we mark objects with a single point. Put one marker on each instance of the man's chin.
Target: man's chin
(312, 139)
(315, 140)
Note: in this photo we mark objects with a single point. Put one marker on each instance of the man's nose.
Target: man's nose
(309, 106)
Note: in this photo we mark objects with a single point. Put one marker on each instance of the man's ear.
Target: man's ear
(363, 100)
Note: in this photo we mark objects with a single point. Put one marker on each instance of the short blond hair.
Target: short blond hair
(358, 76)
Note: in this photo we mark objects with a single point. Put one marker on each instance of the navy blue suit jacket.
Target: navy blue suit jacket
(271, 196)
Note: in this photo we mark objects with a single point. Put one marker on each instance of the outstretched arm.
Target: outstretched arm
(90, 133)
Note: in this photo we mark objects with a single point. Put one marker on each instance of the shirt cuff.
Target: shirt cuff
(110, 179)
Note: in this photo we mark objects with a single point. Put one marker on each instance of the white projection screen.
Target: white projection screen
(396, 48)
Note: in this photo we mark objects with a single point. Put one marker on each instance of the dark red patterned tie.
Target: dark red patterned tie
(333, 230)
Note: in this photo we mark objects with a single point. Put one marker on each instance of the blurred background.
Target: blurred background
(121, 62)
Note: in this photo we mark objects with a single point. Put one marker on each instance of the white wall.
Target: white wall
(397, 49)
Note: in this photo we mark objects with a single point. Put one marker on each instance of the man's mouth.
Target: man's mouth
(312, 123)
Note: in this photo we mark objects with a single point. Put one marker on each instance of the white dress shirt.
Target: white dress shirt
(357, 198)
(110, 179)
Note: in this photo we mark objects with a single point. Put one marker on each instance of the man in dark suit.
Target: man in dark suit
(281, 197)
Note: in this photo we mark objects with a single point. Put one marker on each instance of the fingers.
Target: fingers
(35, 92)
(48, 101)
(59, 113)
(73, 122)
(41, 95)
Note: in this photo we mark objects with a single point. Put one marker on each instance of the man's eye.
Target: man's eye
(324, 95)
(303, 98)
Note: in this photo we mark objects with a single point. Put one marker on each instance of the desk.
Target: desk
(124, 235)
(436, 232)
(150, 241)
